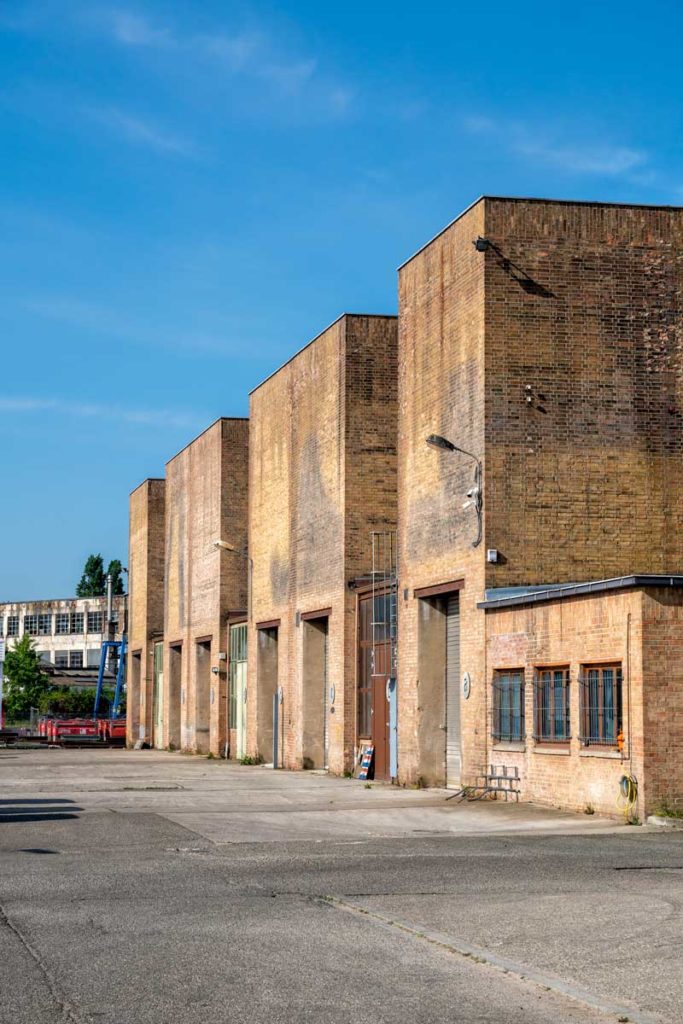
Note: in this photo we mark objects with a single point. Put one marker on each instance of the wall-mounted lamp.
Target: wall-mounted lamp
(224, 545)
(481, 244)
(474, 494)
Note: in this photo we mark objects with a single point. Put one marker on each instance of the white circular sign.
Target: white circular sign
(466, 685)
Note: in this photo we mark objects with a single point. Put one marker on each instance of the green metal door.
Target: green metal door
(238, 687)
(158, 722)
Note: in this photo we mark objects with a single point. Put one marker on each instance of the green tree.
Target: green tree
(92, 582)
(115, 569)
(25, 680)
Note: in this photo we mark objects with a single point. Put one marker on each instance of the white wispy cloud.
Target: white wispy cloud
(140, 131)
(135, 30)
(579, 156)
(92, 410)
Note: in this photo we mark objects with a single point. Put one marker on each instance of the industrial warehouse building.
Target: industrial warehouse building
(461, 541)
(188, 577)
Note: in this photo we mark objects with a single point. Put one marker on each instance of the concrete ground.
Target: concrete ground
(150, 887)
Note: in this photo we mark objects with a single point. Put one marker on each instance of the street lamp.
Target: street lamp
(474, 494)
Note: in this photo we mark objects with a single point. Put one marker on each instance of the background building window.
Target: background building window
(31, 625)
(2, 626)
(508, 705)
(62, 623)
(76, 659)
(13, 625)
(61, 659)
(95, 620)
(76, 622)
(45, 624)
(551, 705)
(601, 704)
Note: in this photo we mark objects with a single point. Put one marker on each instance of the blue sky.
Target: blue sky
(191, 191)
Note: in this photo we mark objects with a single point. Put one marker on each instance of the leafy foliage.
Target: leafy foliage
(93, 581)
(68, 703)
(115, 569)
(26, 680)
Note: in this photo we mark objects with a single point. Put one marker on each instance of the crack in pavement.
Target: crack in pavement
(68, 1011)
(460, 947)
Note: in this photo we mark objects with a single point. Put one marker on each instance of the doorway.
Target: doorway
(237, 705)
(266, 687)
(374, 672)
(439, 729)
(158, 701)
(315, 743)
(175, 674)
(202, 683)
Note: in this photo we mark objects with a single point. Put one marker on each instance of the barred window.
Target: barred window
(508, 705)
(2, 625)
(95, 620)
(45, 624)
(551, 705)
(601, 704)
(61, 659)
(62, 623)
(77, 622)
(31, 625)
(76, 659)
(12, 625)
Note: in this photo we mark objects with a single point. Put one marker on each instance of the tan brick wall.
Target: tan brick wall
(145, 601)
(322, 476)
(643, 631)
(206, 500)
(663, 703)
(556, 357)
(441, 390)
(584, 481)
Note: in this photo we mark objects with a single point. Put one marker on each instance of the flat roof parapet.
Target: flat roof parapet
(537, 595)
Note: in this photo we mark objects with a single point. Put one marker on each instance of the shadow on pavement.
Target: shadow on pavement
(18, 810)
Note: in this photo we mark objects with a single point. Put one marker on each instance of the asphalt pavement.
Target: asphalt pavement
(151, 887)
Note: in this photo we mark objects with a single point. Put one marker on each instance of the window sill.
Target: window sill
(561, 749)
(608, 752)
(510, 745)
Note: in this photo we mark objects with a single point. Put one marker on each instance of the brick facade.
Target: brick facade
(554, 355)
(145, 602)
(641, 630)
(322, 477)
(206, 501)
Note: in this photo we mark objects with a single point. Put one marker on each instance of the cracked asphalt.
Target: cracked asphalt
(151, 887)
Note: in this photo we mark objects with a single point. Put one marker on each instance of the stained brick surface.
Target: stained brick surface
(322, 477)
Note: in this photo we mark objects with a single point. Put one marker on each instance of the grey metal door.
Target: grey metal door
(453, 755)
(326, 703)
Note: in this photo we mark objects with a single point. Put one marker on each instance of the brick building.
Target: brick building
(543, 338)
(322, 479)
(146, 619)
(188, 573)
(587, 684)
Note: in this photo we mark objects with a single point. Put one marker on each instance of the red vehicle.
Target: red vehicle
(74, 729)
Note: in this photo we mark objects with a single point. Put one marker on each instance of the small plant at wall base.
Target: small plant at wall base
(667, 810)
(589, 809)
(26, 683)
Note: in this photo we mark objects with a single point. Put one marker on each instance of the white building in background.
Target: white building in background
(67, 632)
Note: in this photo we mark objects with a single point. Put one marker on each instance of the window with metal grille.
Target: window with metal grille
(600, 704)
(76, 624)
(76, 659)
(61, 659)
(551, 705)
(95, 620)
(61, 623)
(2, 625)
(31, 625)
(508, 705)
(12, 625)
(45, 624)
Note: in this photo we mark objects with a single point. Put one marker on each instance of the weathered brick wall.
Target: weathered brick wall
(574, 632)
(205, 502)
(584, 390)
(440, 390)
(321, 477)
(145, 600)
(663, 697)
